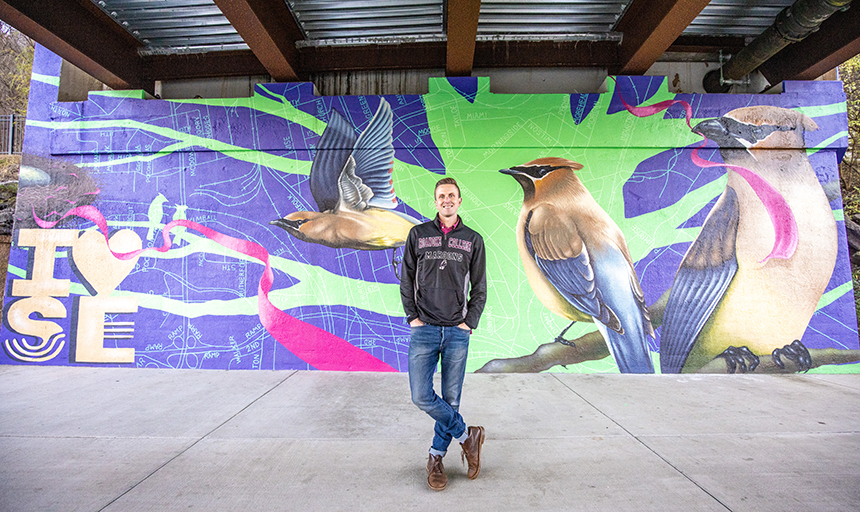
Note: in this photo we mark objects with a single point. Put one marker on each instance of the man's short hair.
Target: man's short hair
(447, 181)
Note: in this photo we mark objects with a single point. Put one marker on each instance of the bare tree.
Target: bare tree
(16, 64)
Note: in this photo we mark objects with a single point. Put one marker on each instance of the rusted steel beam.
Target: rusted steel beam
(792, 25)
(488, 54)
(707, 44)
(836, 41)
(322, 59)
(650, 27)
(270, 30)
(87, 38)
(517, 54)
(203, 65)
(462, 29)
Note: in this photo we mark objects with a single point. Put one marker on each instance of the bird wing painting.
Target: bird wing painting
(577, 262)
(351, 183)
(734, 296)
(702, 279)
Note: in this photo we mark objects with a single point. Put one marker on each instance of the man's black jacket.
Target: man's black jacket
(438, 271)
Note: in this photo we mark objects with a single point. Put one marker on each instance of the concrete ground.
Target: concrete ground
(94, 439)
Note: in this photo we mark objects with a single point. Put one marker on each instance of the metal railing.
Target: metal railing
(11, 134)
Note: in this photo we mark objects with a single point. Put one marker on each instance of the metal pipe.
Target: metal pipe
(793, 24)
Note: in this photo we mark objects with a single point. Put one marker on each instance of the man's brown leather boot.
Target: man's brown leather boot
(436, 478)
(472, 450)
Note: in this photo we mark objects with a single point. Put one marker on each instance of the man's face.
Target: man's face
(447, 200)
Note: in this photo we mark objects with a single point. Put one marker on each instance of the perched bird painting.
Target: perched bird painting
(577, 262)
(351, 183)
(731, 296)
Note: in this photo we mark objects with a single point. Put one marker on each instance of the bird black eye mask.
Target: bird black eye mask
(536, 171)
(750, 132)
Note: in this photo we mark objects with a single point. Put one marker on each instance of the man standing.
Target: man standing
(442, 262)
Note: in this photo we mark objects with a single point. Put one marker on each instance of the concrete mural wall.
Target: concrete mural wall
(681, 233)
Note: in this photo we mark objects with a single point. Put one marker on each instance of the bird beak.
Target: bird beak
(729, 133)
(286, 224)
(525, 181)
(713, 129)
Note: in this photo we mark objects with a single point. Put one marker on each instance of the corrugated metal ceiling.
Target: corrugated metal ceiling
(736, 17)
(554, 18)
(327, 19)
(194, 25)
(198, 25)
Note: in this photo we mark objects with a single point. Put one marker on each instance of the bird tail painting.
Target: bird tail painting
(577, 261)
(626, 333)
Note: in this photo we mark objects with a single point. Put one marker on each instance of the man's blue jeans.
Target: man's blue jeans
(428, 345)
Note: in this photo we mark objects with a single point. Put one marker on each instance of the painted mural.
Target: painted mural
(636, 230)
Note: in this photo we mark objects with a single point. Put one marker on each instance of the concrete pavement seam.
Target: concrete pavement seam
(644, 444)
(763, 434)
(819, 379)
(25, 436)
(192, 445)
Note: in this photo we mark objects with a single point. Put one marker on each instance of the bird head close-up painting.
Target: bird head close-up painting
(633, 230)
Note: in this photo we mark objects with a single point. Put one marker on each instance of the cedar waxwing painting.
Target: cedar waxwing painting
(730, 297)
(270, 227)
(352, 186)
(577, 261)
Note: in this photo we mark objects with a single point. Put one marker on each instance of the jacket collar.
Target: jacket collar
(438, 223)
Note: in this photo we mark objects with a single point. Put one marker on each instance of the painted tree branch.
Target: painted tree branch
(591, 347)
(819, 357)
(588, 348)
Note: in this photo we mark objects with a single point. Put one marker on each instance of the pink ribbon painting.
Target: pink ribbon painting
(781, 216)
(317, 347)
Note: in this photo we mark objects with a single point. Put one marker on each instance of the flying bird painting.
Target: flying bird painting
(577, 261)
(351, 183)
(751, 281)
